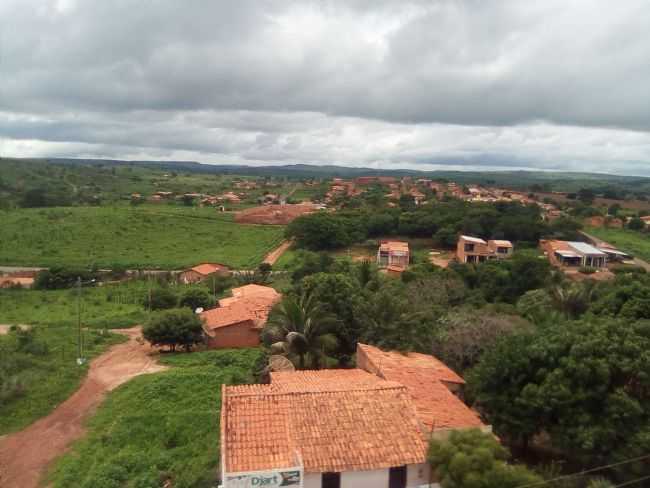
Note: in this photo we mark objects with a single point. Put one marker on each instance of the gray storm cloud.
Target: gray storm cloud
(557, 85)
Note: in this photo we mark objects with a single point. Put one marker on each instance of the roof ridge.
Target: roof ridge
(275, 390)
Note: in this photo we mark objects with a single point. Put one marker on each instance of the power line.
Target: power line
(586, 471)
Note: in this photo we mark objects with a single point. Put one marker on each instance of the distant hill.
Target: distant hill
(87, 176)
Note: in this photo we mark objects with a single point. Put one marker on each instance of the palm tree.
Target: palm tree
(572, 299)
(301, 327)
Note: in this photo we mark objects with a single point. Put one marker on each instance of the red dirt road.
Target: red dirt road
(274, 255)
(25, 455)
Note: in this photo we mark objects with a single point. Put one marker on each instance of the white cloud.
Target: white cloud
(549, 85)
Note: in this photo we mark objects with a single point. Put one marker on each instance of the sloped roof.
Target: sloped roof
(501, 243)
(337, 420)
(394, 246)
(249, 303)
(476, 240)
(206, 269)
(424, 376)
(584, 248)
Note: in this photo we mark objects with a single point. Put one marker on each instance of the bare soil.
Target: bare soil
(26, 455)
(274, 214)
(274, 255)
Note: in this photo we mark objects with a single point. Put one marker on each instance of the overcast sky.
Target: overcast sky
(387, 84)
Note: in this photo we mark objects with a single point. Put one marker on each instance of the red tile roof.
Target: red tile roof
(334, 420)
(425, 377)
(206, 269)
(249, 303)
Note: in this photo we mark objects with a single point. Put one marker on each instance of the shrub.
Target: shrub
(172, 328)
(587, 270)
(196, 298)
(160, 299)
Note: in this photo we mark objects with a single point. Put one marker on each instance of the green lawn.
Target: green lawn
(36, 378)
(164, 236)
(112, 306)
(631, 241)
(158, 427)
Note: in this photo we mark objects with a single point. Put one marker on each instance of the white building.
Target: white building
(341, 428)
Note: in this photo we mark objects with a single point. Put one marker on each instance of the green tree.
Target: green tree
(160, 299)
(300, 327)
(636, 224)
(572, 299)
(174, 328)
(196, 298)
(585, 385)
(473, 459)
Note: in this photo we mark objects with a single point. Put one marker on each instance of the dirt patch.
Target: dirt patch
(274, 214)
(25, 455)
(274, 255)
(4, 329)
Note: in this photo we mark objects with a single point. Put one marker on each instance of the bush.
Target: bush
(587, 270)
(172, 328)
(196, 298)
(160, 299)
(58, 277)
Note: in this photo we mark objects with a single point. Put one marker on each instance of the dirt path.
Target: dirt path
(25, 455)
(274, 255)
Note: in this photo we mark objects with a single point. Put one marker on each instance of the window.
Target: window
(331, 480)
(397, 477)
(502, 250)
(469, 247)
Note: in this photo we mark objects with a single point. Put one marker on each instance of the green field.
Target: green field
(109, 307)
(158, 427)
(631, 241)
(34, 380)
(165, 237)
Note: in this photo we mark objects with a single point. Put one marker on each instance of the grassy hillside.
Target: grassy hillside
(627, 240)
(165, 237)
(39, 372)
(158, 427)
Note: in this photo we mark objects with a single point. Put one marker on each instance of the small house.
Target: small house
(476, 250)
(573, 254)
(342, 428)
(393, 254)
(238, 320)
(202, 272)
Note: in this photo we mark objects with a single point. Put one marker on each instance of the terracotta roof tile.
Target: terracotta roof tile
(208, 268)
(355, 423)
(249, 303)
(425, 377)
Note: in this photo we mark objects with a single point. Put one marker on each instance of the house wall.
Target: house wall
(190, 276)
(416, 475)
(242, 334)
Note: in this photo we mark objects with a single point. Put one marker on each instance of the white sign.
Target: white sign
(264, 479)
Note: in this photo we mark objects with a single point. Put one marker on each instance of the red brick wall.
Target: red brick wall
(238, 335)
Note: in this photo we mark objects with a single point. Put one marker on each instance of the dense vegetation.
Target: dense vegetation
(547, 358)
(141, 237)
(158, 428)
(442, 221)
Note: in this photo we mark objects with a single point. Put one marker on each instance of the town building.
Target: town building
(238, 320)
(393, 254)
(476, 250)
(573, 254)
(342, 428)
(202, 272)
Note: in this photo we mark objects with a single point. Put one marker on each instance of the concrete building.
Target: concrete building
(342, 428)
(573, 254)
(476, 250)
(393, 254)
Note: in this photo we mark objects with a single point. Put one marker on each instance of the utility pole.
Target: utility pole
(79, 356)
